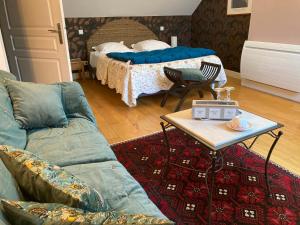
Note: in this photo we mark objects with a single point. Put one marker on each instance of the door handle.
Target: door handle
(53, 31)
(59, 32)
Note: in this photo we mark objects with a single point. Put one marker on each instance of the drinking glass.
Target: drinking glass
(228, 93)
(219, 93)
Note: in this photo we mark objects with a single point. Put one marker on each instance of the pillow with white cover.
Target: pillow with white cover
(112, 47)
(150, 45)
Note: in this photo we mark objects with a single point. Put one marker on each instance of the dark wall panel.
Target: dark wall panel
(212, 28)
(174, 25)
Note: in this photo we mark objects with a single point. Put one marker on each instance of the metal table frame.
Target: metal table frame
(215, 151)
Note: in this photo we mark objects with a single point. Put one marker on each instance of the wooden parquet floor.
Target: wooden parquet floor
(118, 122)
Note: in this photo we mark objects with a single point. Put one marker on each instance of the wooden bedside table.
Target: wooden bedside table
(78, 65)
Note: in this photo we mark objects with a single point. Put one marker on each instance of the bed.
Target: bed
(134, 81)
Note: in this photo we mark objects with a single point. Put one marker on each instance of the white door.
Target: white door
(35, 40)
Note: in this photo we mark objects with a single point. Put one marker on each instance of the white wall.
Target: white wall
(275, 21)
(3, 59)
(116, 8)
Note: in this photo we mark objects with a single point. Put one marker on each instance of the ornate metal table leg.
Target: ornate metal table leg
(277, 137)
(166, 140)
(212, 183)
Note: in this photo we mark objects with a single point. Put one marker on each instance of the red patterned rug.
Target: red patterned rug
(239, 196)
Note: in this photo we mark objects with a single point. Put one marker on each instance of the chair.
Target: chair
(182, 86)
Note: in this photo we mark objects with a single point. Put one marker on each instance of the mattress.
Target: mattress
(94, 56)
(131, 81)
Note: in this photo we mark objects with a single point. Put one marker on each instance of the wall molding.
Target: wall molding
(275, 91)
(233, 74)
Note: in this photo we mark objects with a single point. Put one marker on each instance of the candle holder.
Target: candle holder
(228, 93)
(219, 93)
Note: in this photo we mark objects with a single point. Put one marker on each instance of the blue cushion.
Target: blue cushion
(10, 131)
(79, 142)
(3, 221)
(10, 134)
(119, 189)
(75, 103)
(37, 105)
(6, 76)
(9, 189)
(191, 74)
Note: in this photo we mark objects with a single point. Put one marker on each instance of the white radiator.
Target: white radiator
(273, 64)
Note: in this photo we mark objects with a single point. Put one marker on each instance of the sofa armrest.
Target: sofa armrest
(75, 102)
(6, 75)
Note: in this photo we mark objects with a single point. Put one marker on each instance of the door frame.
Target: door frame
(4, 61)
(65, 36)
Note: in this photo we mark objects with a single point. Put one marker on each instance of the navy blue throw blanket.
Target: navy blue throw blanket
(159, 56)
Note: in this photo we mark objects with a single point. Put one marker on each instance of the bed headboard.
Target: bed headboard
(126, 30)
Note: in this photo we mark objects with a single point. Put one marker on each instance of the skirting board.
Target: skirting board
(233, 74)
(294, 96)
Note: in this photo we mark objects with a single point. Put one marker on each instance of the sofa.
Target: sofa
(79, 148)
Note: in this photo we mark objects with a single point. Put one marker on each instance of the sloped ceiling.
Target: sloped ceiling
(116, 8)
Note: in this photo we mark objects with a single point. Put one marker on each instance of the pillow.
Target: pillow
(102, 46)
(75, 103)
(9, 188)
(6, 75)
(112, 47)
(37, 105)
(191, 74)
(150, 45)
(10, 131)
(45, 182)
(36, 213)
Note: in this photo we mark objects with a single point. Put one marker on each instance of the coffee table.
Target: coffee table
(217, 136)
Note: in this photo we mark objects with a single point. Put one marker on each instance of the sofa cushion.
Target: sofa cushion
(2, 221)
(74, 101)
(10, 131)
(37, 105)
(120, 190)
(9, 189)
(80, 142)
(10, 134)
(46, 182)
(4, 75)
(52, 213)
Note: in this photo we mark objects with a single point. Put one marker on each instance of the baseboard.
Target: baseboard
(233, 74)
(294, 96)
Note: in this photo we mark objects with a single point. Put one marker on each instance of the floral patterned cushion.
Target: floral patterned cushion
(48, 183)
(50, 214)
